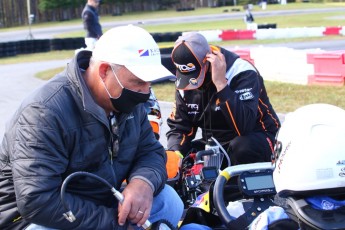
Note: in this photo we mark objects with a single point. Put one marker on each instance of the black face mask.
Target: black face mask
(128, 100)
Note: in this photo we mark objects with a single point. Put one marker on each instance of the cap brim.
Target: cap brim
(151, 73)
(185, 82)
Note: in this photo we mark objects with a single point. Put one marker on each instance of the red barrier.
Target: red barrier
(237, 35)
(335, 30)
(326, 79)
(244, 54)
(329, 68)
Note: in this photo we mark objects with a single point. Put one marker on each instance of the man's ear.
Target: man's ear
(103, 69)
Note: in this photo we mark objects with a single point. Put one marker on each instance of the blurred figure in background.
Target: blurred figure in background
(248, 18)
(91, 23)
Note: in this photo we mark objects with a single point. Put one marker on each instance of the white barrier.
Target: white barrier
(282, 64)
(342, 31)
(281, 33)
(211, 35)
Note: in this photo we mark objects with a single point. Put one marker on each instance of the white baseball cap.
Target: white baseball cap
(134, 48)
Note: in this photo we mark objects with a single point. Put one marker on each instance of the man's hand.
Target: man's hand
(137, 203)
(218, 67)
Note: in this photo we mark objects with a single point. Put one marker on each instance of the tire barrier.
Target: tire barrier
(264, 31)
(166, 37)
(267, 26)
(8, 49)
(166, 50)
(185, 9)
(66, 43)
(167, 63)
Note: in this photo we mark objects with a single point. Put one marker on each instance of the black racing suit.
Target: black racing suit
(240, 116)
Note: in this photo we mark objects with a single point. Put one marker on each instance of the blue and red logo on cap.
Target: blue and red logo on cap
(144, 52)
(148, 52)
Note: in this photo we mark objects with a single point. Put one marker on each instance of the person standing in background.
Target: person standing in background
(91, 23)
(248, 18)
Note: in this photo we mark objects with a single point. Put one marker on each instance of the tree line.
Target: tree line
(15, 13)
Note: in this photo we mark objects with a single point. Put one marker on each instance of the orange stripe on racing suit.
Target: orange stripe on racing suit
(269, 113)
(184, 136)
(261, 116)
(232, 118)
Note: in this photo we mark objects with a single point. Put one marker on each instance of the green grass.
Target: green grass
(46, 75)
(37, 57)
(287, 21)
(285, 97)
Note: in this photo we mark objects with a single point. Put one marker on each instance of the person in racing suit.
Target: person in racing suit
(223, 95)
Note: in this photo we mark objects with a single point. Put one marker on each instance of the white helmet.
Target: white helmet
(154, 114)
(311, 152)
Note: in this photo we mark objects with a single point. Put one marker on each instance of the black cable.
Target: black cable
(69, 214)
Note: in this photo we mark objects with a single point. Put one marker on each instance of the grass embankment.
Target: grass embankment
(285, 97)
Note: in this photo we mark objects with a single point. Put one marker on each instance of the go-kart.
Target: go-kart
(241, 193)
(237, 196)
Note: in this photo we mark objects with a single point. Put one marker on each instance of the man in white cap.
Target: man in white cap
(89, 118)
(223, 95)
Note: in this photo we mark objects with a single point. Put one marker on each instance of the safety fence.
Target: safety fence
(304, 67)
(329, 68)
(268, 31)
(272, 33)
(313, 66)
(9, 49)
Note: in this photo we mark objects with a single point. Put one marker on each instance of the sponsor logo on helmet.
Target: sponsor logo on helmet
(326, 205)
(193, 81)
(342, 162)
(246, 96)
(281, 157)
(190, 67)
(342, 173)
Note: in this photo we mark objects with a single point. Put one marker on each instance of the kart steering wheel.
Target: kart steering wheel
(223, 178)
